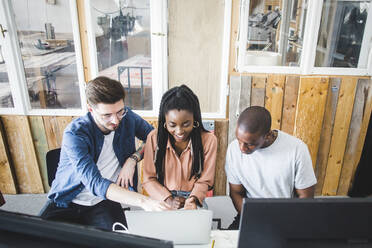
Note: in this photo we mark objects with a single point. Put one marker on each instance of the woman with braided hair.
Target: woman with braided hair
(180, 155)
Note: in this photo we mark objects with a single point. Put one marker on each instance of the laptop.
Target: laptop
(180, 226)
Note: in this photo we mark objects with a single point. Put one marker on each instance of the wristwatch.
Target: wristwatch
(135, 157)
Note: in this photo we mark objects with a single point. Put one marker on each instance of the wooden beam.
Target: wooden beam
(41, 146)
(310, 111)
(327, 129)
(274, 99)
(7, 178)
(339, 137)
(367, 109)
(221, 131)
(290, 103)
(235, 10)
(84, 43)
(350, 156)
(23, 154)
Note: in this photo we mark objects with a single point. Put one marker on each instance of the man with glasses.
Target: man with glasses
(98, 156)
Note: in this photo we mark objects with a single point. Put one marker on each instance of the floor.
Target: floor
(221, 206)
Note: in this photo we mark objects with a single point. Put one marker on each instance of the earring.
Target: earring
(196, 124)
(165, 127)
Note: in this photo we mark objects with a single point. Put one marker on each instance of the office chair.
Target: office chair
(52, 159)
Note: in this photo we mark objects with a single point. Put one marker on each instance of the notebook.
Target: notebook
(179, 226)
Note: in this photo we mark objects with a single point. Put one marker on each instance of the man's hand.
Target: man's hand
(125, 178)
(153, 205)
(175, 202)
(190, 203)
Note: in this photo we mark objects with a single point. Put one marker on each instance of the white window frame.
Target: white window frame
(159, 57)
(17, 74)
(308, 51)
(11, 63)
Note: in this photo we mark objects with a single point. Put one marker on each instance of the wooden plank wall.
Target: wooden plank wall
(330, 114)
(25, 141)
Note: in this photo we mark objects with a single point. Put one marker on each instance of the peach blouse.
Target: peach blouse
(178, 169)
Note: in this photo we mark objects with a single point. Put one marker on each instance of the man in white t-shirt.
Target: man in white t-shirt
(265, 163)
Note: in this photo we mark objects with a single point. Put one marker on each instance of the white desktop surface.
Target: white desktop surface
(223, 239)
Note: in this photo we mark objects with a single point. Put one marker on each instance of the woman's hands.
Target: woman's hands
(190, 203)
(180, 202)
(125, 178)
(175, 202)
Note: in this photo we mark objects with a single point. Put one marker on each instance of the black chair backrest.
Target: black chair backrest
(52, 159)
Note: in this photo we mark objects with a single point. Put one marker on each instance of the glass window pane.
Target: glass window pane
(45, 36)
(341, 34)
(6, 99)
(275, 32)
(123, 41)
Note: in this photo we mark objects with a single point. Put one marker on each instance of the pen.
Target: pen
(212, 243)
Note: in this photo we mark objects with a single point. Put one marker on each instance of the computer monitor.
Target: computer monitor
(319, 222)
(19, 230)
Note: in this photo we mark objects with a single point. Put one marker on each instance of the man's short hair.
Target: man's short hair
(104, 90)
(255, 119)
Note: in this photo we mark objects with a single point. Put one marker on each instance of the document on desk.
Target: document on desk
(222, 239)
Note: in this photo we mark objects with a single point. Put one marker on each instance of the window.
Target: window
(341, 32)
(123, 34)
(271, 33)
(272, 36)
(43, 50)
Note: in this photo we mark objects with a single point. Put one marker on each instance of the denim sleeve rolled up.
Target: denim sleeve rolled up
(83, 164)
(81, 146)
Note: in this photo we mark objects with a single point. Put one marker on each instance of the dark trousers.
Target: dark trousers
(102, 215)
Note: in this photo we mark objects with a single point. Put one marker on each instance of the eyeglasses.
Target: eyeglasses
(108, 117)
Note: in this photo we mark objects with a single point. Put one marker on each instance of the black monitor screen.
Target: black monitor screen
(320, 222)
(19, 230)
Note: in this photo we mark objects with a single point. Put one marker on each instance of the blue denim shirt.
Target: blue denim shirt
(81, 146)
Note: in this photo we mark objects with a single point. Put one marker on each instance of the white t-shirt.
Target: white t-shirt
(108, 166)
(271, 172)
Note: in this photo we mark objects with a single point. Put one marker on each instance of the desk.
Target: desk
(223, 239)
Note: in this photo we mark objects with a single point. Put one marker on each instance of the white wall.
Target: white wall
(31, 15)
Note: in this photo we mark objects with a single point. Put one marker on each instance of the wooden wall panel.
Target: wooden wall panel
(350, 157)
(41, 146)
(327, 129)
(23, 154)
(258, 91)
(240, 92)
(367, 109)
(339, 137)
(310, 111)
(235, 84)
(7, 179)
(54, 127)
(245, 93)
(290, 103)
(221, 130)
(274, 99)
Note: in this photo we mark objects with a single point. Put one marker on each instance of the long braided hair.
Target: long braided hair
(180, 98)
